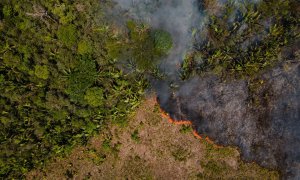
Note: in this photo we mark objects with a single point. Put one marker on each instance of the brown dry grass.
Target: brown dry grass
(149, 147)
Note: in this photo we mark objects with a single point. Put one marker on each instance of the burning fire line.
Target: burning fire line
(185, 122)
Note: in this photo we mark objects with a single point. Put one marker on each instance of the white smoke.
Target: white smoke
(177, 17)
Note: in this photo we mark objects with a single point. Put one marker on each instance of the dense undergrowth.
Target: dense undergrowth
(59, 77)
(242, 38)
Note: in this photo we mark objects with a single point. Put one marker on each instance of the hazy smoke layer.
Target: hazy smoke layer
(178, 17)
(268, 133)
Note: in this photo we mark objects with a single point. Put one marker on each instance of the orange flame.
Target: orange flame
(165, 115)
(196, 134)
(178, 122)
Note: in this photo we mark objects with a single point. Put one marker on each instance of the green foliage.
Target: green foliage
(83, 77)
(142, 46)
(67, 34)
(10, 59)
(94, 97)
(84, 47)
(186, 129)
(41, 71)
(162, 41)
(243, 44)
(64, 12)
(7, 10)
(135, 136)
(2, 80)
(56, 91)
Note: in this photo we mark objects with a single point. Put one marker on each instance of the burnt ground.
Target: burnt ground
(149, 147)
(261, 116)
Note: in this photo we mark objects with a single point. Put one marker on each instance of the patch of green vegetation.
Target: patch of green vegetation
(41, 71)
(162, 41)
(213, 152)
(94, 96)
(186, 129)
(106, 145)
(81, 78)
(243, 43)
(84, 47)
(143, 48)
(135, 136)
(67, 34)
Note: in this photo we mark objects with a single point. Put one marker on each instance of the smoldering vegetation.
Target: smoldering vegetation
(234, 73)
(267, 132)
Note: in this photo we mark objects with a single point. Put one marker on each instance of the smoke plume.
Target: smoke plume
(268, 133)
(177, 17)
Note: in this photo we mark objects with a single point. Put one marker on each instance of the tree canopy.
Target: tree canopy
(58, 80)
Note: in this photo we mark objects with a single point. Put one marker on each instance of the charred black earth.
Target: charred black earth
(261, 117)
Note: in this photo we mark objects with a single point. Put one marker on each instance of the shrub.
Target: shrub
(41, 71)
(81, 79)
(162, 41)
(84, 47)
(94, 96)
(67, 34)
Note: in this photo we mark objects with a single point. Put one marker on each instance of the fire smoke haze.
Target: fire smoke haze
(177, 17)
(270, 134)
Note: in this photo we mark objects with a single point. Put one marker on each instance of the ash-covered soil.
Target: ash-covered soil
(261, 116)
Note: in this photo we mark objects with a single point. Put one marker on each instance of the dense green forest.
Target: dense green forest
(66, 69)
(60, 79)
